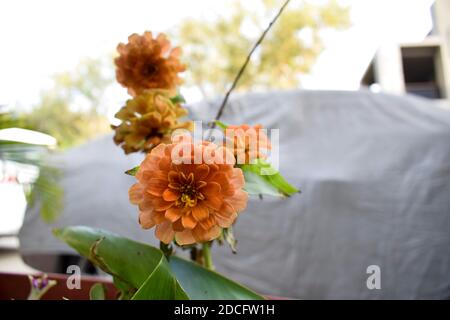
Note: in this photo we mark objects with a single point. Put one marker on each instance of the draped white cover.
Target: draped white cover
(374, 171)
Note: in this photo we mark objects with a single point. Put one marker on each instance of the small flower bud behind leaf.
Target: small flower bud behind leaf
(230, 239)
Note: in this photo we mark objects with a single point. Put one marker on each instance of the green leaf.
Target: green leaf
(261, 178)
(140, 267)
(157, 283)
(221, 125)
(256, 185)
(49, 192)
(200, 283)
(137, 268)
(133, 171)
(178, 99)
(97, 292)
(126, 290)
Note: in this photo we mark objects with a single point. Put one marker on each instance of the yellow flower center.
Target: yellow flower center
(186, 200)
(188, 196)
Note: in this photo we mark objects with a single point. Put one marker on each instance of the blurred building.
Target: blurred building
(421, 68)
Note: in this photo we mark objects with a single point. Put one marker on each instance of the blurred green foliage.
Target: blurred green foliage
(9, 120)
(45, 191)
(70, 110)
(215, 49)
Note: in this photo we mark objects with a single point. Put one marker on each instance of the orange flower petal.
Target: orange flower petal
(164, 164)
(200, 212)
(160, 204)
(238, 200)
(211, 189)
(174, 186)
(188, 221)
(213, 202)
(146, 219)
(176, 52)
(227, 209)
(237, 179)
(202, 235)
(173, 214)
(159, 174)
(208, 223)
(221, 178)
(225, 222)
(159, 150)
(135, 193)
(146, 204)
(149, 164)
(170, 195)
(226, 216)
(201, 172)
(164, 232)
(185, 237)
(158, 217)
(156, 187)
(177, 226)
(173, 177)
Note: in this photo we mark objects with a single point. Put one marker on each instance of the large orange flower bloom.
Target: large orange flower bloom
(187, 202)
(249, 143)
(148, 63)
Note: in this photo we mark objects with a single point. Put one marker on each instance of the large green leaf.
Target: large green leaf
(141, 268)
(201, 283)
(140, 271)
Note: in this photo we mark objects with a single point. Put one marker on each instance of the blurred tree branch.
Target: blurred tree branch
(215, 49)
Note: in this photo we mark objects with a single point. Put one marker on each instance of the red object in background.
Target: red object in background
(17, 287)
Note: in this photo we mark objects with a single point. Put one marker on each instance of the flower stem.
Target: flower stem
(207, 257)
(247, 60)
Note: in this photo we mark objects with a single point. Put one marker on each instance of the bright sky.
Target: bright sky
(374, 23)
(40, 38)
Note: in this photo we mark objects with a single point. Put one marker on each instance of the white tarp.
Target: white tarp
(374, 171)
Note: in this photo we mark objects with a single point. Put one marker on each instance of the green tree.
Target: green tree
(215, 49)
(45, 190)
(70, 110)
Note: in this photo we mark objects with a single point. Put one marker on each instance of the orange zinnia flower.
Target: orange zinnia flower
(147, 120)
(148, 63)
(249, 143)
(187, 202)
